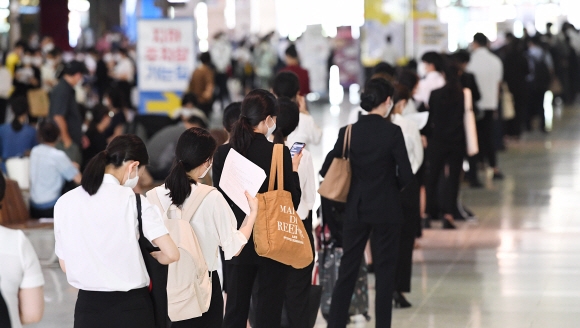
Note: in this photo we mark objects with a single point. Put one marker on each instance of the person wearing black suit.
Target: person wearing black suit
(249, 138)
(446, 146)
(380, 167)
(467, 80)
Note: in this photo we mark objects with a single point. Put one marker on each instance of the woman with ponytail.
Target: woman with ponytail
(17, 138)
(380, 169)
(249, 137)
(214, 222)
(96, 229)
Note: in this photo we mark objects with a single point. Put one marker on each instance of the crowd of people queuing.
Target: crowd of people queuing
(93, 151)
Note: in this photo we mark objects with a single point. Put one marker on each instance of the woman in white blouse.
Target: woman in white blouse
(409, 196)
(96, 232)
(214, 222)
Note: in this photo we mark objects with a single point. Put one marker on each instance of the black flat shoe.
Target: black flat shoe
(426, 223)
(475, 185)
(448, 225)
(400, 301)
(498, 176)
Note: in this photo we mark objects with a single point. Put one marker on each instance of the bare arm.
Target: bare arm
(62, 265)
(77, 179)
(248, 225)
(61, 122)
(169, 252)
(31, 304)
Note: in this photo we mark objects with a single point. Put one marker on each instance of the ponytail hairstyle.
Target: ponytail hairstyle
(195, 147)
(123, 148)
(287, 119)
(375, 93)
(256, 107)
(19, 108)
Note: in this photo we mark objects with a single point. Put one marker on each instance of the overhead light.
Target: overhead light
(79, 5)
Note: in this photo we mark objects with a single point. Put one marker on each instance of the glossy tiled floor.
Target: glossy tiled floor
(517, 266)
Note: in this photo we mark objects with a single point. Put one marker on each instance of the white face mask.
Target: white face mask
(37, 61)
(48, 47)
(27, 60)
(421, 69)
(389, 109)
(205, 172)
(132, 182)
(106, 102)
(270, 129)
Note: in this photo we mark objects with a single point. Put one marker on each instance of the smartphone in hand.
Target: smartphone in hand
(297, 148)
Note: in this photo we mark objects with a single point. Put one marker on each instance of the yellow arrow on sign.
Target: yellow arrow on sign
(171, 104)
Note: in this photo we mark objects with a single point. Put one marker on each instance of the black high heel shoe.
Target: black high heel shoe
(400, 301)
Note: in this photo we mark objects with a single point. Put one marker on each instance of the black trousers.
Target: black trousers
(298, 287)
(271, 276)
(440, 154)
(221, 81)
(486, 137)
(411, 224)
(37, 213)
(132, 309)
(3, 106)
(214, 316)
(384, 245)
(536, 108)
(4, 315)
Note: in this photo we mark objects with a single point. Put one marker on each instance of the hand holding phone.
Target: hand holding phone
(297, 148)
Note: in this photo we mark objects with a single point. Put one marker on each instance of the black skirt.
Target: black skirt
(132, 309)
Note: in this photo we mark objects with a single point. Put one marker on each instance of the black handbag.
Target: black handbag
(4, 315)
(157, 273)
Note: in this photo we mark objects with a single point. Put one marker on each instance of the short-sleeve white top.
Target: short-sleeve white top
(97, 237)
(20, 269)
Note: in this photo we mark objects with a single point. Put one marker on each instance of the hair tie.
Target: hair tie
(106, 153)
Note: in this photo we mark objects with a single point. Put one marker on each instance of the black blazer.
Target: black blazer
(260, 153)
(380, 169)
(446, 111)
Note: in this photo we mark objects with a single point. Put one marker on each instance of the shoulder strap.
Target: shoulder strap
(346, 143)
(195, 199)
(138, 200)
(154, 199)
(277, 167)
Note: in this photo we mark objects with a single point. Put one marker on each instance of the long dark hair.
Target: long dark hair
(256, 107)
(375, 93)
(19, 107)
(123, 148)
(287, 119)
(453, 86)
(195, 147)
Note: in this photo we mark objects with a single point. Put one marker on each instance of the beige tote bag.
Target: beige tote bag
(336, 184)
(279, 234)
(470, 126)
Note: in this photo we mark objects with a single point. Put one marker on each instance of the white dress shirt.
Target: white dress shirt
(20, 269)
(488, 71)
(307, 131)
(126, 69)
(97, 235)
(308, 183)
(214, 224)
(413, 141)
(432, 81)
(410, 108)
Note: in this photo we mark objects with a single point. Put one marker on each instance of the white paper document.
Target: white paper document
(240, 175)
